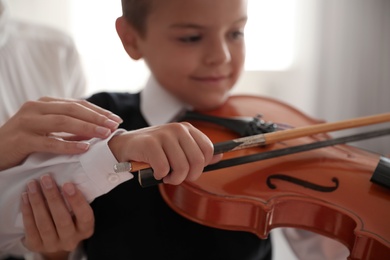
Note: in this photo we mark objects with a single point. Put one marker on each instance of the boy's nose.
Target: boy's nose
(217, 52)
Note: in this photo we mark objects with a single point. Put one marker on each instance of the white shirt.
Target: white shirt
(35, 61)
(158, 106)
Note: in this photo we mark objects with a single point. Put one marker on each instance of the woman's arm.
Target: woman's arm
(176, 152)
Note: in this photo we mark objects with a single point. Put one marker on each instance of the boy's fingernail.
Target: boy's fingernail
(69, 189)
(115, 118)
(83, 145)
(103, 131)
(32, 186)
(46, 181)
(25, 197)
(111, 124)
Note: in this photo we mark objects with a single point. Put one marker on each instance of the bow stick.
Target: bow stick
(270, 138)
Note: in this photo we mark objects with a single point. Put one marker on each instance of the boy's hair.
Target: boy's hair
(136, 12)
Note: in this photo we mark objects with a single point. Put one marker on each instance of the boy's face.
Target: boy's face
(195, 48)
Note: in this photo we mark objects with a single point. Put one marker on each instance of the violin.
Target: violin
(327, 191)
(330, 190)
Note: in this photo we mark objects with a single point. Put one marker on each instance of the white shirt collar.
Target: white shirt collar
(158, 106)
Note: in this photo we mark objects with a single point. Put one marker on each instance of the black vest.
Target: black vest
(135, 223)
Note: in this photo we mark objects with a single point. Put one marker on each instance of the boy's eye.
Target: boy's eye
(237, 34)
(194, 38)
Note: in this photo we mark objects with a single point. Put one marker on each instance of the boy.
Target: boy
(195, 51)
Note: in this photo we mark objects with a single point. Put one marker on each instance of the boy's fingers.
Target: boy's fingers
(198, 152)
(158, 161)
(178, 162)
(216, 158)
(204, 143)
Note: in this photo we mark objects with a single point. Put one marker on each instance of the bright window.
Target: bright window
(270, 34)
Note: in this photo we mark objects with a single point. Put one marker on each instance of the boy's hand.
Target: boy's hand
(176, 148)
(37, 124)
(53, 225)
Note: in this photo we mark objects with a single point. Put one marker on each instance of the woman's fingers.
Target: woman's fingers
(84, 103)
(33, 240)
(56, 145)
(72, 223)
(42, 221)
(74, 117)
(60, 215)
(82, 110)
(54, 126)
(83, 213)
(54, 223)
(66, 124)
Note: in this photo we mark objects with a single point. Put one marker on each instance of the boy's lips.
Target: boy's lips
(211, 78)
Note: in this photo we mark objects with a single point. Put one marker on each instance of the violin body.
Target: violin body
(327, 190)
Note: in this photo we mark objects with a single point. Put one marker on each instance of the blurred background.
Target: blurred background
(328, 58)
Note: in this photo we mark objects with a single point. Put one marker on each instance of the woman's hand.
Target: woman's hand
(54, 223)
(177, 148)
(53, 126)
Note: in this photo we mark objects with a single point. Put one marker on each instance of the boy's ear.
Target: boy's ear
(129, 37)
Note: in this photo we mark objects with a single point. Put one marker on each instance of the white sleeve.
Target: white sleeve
(307, 245)
(92, 172)
(77, 254)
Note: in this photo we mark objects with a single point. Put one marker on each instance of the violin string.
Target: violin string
(295, 149)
